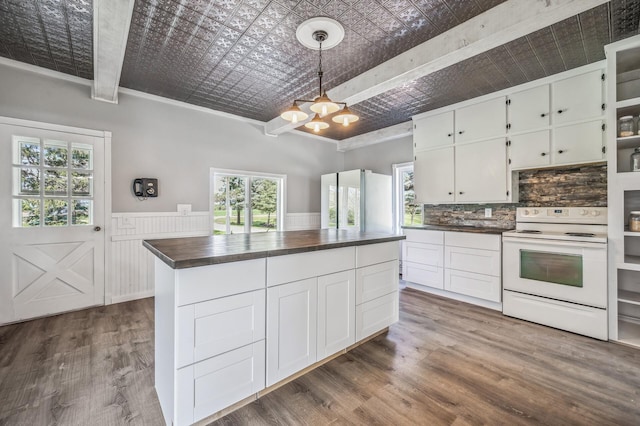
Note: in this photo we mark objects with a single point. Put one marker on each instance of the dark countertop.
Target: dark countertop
(190, 252)
(452, 228)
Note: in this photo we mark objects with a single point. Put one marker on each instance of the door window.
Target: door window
(52, 183)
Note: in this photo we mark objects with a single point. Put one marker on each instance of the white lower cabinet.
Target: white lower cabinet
(376, 298)
(291, 328)
(376, 314)
(486, 287)
(336, 312)
(215, 383)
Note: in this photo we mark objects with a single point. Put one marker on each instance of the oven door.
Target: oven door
(563, 270)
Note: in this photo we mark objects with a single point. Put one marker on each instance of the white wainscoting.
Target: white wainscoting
(131, 266)
(131, 269)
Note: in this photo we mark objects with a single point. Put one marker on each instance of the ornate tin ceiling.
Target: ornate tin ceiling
(242, 56)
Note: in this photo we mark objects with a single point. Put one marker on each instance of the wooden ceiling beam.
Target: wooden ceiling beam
(504, 23)
(111, 21)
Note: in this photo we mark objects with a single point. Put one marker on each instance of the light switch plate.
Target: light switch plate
(487, 212)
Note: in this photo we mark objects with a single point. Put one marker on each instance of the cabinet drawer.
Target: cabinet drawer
(295, 267)
(485, 287)
(470, 240)
(210, 328)
(472, 260)
(431, 276)
(375, 315)
(376, 280)
(370, 254)
(210, 282)
(424, 236)
(425, 254)
(215, 383)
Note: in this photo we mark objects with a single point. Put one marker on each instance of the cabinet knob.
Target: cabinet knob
(451, 193)
(560, 151)
(543, 154)
(461, 192)
(450, 134)
(97, 229)
(560, 111)
(461, 132)
(544, 114)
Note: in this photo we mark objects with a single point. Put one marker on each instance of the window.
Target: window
(52, 183)
(244, 202)
(406, 210)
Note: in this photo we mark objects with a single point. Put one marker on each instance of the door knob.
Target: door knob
(97, 228)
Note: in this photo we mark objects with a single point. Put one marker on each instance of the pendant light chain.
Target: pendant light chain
(320, 69)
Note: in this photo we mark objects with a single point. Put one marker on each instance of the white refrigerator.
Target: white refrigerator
(357, 199)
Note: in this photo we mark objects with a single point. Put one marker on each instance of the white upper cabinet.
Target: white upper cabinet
(483, 120)
(577, 98)
(530, 150)
(481, 171)
(528, 109)
(433, 176)
(433, 131)
(578, 143)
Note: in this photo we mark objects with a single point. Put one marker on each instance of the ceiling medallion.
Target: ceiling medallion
(316, 33)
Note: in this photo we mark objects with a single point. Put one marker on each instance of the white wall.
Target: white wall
(379, 157)
(177, 145)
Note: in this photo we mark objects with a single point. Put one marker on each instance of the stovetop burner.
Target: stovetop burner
(580, 234)
(528, 231)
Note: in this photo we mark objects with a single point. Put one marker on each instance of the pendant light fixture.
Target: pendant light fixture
(309, 32)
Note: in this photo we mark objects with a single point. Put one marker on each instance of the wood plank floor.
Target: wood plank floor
(444, 363)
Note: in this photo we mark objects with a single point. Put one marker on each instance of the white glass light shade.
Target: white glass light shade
(323, 105)
(316, 124)
(345, 117)
(294, 114)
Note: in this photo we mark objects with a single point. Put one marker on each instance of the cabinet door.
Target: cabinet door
(433, 131)
(336, 312)
(426, 254)
(481, 171)
(291, 328)
(481, 121)
(577, 98)
(376, 314)
(530, 150)
(529, 109)
(375, 281)
(433, 176)
(578, 143)
(485, 287)
(418, 273)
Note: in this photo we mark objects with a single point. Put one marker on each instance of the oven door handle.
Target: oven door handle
(555, 243)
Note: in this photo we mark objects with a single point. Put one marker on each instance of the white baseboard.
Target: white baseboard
(132, 296)
(456, 296)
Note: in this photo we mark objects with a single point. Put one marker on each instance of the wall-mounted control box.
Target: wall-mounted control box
(145, 187)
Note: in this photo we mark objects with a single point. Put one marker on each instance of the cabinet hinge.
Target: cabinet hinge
(508, 126)
(604, 149)
(509, 163)
(604, 106)
(508, 102)
(602, 76)
(414, 126)
(507, 193)
(415, 158)
(603, 126)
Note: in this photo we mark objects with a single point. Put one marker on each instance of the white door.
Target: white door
(336, 312)
(433, 176)
(53, 242)
(481, 171)
(433, 131)
(483, 120)
(529, 109)
(529, 150)
(577, 98)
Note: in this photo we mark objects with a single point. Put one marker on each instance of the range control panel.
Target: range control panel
(593, 215)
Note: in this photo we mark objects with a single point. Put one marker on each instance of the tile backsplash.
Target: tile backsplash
(574, 186)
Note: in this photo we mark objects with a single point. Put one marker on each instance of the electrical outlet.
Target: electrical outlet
(487, 212)
(184, 209)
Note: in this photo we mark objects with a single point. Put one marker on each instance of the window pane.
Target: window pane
(81, 156)
(29, 153)
(55, 182)
(56, 212)
(29, 181)
(82, 184)
(220, 216)
(333, 206)
(29, 212)
(264, 204)
(412, 210)
(82, 212)
(55, 154)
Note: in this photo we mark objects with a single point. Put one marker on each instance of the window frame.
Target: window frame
(398, 192)
(249, 176)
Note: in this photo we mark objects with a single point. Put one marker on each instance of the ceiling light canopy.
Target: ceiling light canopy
(312, 34)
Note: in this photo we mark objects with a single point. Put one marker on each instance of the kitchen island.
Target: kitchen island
(238, 315)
